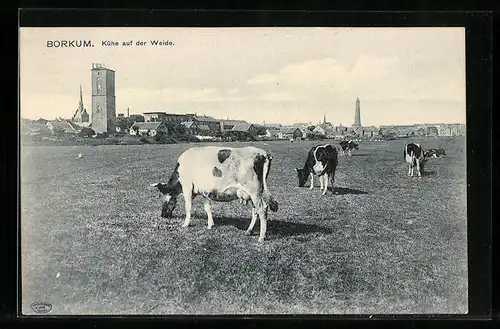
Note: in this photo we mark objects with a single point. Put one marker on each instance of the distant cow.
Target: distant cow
(348, 145)
(221, 174)
(434, 153)
(321, 161)
(415, 157)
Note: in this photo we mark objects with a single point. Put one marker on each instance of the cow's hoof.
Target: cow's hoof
(209, 227)
(185, 225)
(247, 232)
(260, 241)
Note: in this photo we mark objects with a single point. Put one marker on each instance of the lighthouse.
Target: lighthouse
(357, 115)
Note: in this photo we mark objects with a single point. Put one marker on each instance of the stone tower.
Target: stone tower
(103, 99)
(357, 115)
(81, 114)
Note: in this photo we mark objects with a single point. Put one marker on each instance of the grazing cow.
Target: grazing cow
(434, 153)
(221, 174)
(348, 145)
(415, 157)
(322, 161)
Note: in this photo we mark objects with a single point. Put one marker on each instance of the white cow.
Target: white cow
(221, 174)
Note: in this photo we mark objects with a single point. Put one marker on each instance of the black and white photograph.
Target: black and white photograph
(243, 171)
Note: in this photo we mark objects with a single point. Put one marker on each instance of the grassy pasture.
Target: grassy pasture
(384, 243)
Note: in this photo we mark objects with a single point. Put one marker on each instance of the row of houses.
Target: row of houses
(424, 130)
(49, 127)
(153, 123)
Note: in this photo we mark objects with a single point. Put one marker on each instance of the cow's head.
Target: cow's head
(170, 199)
(422, 163)
(302, 174)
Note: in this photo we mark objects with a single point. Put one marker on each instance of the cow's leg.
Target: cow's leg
(312, 181)
(418, 168)
(321, 183)
(208, 209)
(349, 152)
(188, 199)
(332, 181)
(262, 212)
(252, 222)
(325, 177)
(409, 170)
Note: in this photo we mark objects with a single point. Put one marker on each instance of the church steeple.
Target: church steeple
(81, 114)
(80, 105)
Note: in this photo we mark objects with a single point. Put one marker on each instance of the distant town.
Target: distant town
(105, 122)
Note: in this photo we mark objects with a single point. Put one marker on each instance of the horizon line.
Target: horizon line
(295, 123)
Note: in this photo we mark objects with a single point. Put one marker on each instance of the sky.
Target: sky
(272, 75)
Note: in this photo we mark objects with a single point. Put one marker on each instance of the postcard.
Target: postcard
(243, 171)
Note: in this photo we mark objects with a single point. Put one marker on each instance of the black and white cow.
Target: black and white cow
(435, 153)
(221, 174)
(322, 161)
(348, 145)
(415, 157)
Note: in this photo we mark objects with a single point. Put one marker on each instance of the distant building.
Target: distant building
(61, 127)
(148, 128)
(229, 124)
(451, 130)
(290, 133)
(166, 117)
(195, 128)
(271, 130)
(368, 132)
(103, 99)
(250, 128)
(432, 131)
(319, 130)
(212, 123)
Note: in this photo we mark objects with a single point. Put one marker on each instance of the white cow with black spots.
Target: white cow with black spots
(221, 174)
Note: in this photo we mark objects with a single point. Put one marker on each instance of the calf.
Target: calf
(434, 153)
(221, 174)
(321, 161)
(415, 157)
(348, 145)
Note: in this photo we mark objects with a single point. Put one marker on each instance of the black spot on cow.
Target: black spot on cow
(216, 172)
(222, 155)
(258, 165)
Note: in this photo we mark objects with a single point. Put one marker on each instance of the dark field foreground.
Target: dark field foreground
(93, 241)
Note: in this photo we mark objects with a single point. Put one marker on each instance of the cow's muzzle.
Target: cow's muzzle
(168, 208)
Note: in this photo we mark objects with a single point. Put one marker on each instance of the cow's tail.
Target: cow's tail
(266, 195)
